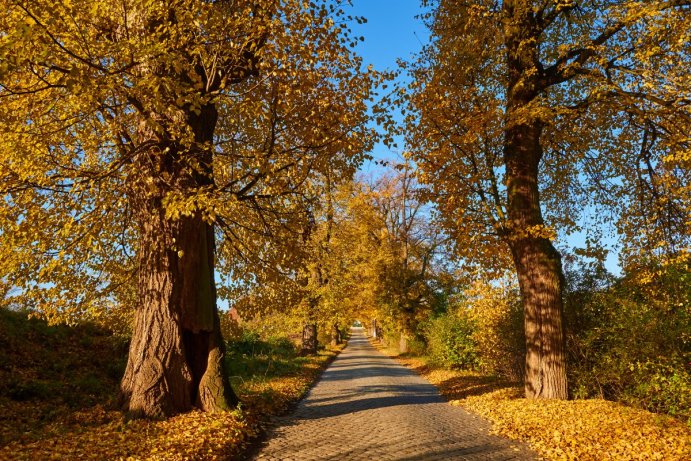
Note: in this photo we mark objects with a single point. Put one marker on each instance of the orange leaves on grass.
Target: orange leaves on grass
(189, 436)
(98, 434)
(274, 396)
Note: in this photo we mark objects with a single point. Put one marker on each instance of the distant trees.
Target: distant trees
(372, 253)
(152, 139)
(410, 251)
(389, 252)
(525, 113)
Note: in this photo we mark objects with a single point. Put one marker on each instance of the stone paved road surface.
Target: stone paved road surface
(369, 407)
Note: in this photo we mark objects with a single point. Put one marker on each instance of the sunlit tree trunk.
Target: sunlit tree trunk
(539, 270)
(176, 358)
(309, 339)
(537, 262)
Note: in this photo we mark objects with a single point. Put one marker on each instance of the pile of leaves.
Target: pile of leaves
(55, 418)
(591, 429)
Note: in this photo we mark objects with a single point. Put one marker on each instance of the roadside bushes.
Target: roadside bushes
(482, 331)
(450, 341)
(630, 339)
(498, 315)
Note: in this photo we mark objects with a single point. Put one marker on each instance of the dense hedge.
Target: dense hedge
(450, 342)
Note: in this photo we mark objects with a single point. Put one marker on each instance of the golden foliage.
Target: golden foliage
(498, 335)
(372, 252)
(605, 85)
(85, 83)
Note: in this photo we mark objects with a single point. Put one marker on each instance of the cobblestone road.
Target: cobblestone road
(369, 407)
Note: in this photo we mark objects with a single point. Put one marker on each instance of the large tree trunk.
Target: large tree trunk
(539, 272)
(538, 266)
(537, 262)
(176, 355)
(176, 358)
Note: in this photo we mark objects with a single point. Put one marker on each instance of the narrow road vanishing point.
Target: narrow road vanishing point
(369, 407)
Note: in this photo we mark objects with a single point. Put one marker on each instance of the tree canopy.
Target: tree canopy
(150, 138)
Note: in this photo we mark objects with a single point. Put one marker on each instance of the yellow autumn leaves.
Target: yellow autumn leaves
(83, 81)
(99, 434)
(589, 430)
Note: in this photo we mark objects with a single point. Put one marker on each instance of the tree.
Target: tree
(382, 259)
(316, 277)
(371, 252)
(155, 138)
(409, 244)
(525, 113)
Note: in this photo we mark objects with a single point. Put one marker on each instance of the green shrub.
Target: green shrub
(628, 339)
(661, 388)
(497, 313)
(251, 357)
(449, 341)
(247, 343)
(281, 345)
(416, 346)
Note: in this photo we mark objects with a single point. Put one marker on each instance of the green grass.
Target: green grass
(250, 357)
(47, 372)
(59, 384)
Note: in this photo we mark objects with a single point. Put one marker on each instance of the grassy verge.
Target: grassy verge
(57, 385)
(561, 430)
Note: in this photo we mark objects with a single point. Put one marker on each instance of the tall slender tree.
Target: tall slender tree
(524, 113)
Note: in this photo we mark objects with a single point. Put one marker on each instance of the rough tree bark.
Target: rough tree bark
(177, 353)
(537, 262)
(309, 339)
(539, 270)
(176, 358)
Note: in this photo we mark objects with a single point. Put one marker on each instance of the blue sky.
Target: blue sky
(392, 31)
